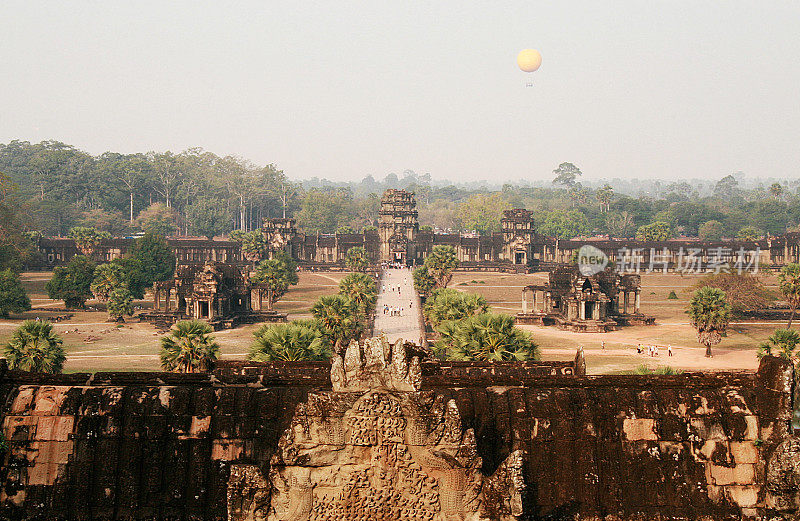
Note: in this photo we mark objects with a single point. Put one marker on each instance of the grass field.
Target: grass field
(93, 344)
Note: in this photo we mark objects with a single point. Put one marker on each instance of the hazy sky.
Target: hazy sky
(342, 89)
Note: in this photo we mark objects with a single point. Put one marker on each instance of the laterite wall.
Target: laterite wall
(159, 446)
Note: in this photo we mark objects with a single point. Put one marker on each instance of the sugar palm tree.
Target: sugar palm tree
(107, 278)
(709, 313)
(189, 348)
(449, 304)
(789, 284)
(782, 343)
(487, 337)
(361, 289)
(35, 347)
(340, 319)
(290, 342)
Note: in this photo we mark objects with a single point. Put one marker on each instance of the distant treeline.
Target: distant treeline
(51, 187)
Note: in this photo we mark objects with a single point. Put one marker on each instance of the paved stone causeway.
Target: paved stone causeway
(408, 325)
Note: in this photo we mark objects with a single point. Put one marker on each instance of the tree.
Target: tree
(208, 217)
(107, 278)
(485, 337)
(709, 313)
(604, 196)
(361, 289)
(620, 225)
(277, 274)
(120, 304)
(35, 347)
(789, 285)
(726, 188)
(132, 276)
(482, 212)
(782, 343)
(743, 291)
(711, 231)
(87, 239)
(356, 259)
(72, 283)
(441, 263)
(111, 222)
(155, 258)
(340, 320)
(657, 231)
(424, 283)
(771, 215)
(776, 190)
(158, 219)
(564, 224)
(292, 342)
(254, 245)
(450, 304)
(749, 233)
(566, 174)
(189, 348)
(13, 298)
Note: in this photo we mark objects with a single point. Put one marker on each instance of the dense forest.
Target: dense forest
(52, 187)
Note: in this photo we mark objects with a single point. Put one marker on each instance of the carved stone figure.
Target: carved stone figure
(378, 448)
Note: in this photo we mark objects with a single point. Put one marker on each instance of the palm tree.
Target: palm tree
(361, 289)
(290, 342)
(35, 347)
(709, 313)
(782, 343)
(449, 304)
(339, 318)
(486, 337)
(789, 284)
(189, 348)
(107, 278)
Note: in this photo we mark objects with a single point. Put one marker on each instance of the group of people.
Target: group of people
(652, 350)
(392, 265)
(393, 288)
(394, 311)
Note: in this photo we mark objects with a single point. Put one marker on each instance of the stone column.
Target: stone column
(582, 309)
(533, 301)
(637, 302)
(625, 303)
(525, 300)
(166, 300)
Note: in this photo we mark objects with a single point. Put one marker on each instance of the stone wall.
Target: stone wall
(161, 446)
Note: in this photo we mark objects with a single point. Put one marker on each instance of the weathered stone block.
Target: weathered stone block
(744, 451)
(742, 474)
(744, 496)
(639, 429)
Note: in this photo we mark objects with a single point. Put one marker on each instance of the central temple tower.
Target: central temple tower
(398, 226)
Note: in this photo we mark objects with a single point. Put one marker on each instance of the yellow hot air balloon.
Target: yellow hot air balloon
(529, 60)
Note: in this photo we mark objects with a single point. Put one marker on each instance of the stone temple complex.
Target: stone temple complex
(585, 303)
(386, 433)
(516, 247)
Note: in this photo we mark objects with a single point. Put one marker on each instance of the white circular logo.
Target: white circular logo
(591, 260)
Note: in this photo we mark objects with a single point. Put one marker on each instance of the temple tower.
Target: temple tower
(398, 226)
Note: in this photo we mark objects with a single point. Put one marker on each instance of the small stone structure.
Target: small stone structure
(585, 303)
(219, 293)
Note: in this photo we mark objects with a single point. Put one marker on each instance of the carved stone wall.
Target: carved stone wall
(164, 446)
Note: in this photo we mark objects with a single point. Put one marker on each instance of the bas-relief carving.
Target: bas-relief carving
(378, 448)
